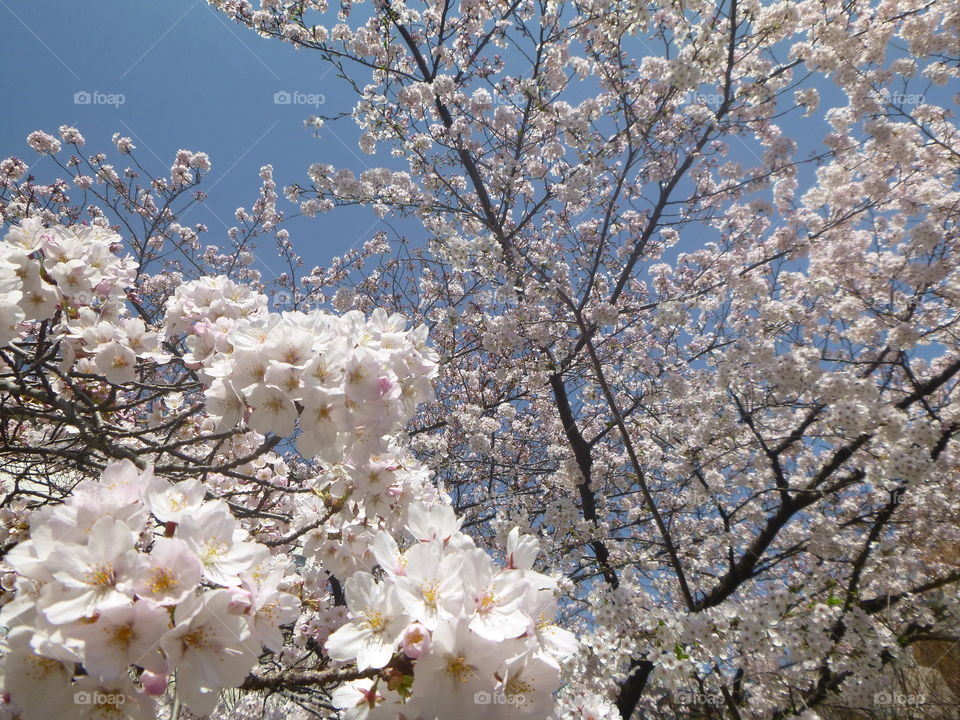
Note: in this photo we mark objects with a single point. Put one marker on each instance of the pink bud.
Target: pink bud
(416, 640)
(240, 601)
(154, 684)
(385, 384)
(104, 287)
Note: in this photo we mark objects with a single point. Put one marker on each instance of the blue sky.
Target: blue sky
(190, 78)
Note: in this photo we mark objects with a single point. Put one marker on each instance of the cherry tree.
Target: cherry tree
(203, 493)
(687, 394)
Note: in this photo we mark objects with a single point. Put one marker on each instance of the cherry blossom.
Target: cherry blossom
(378, 624)
(644, 405)
(210, 647)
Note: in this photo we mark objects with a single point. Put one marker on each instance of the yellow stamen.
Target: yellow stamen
(459, 669)
(101, 576)
(161, 580)
(487, 602)
(196, 639)
(374, 620)
(121, 635)
(430, 592)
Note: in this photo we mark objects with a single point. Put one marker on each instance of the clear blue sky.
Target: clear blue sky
(190, 79)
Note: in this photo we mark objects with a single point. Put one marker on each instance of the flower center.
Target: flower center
(161, 580)
(122, 635)
(214, 549)
(459, 669)
(518, 688)
(487, 602)
(101, 575)
(374, 620)
(430, 592)
(357, 375)
(41, 668)
(196, 639)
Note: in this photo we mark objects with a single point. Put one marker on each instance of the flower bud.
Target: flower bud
(416, 640)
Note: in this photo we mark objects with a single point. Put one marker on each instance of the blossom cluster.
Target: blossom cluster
(74, 277)
(353, 503)
(451, 633)
(44, 269)
(350, 380)
(136, 577)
